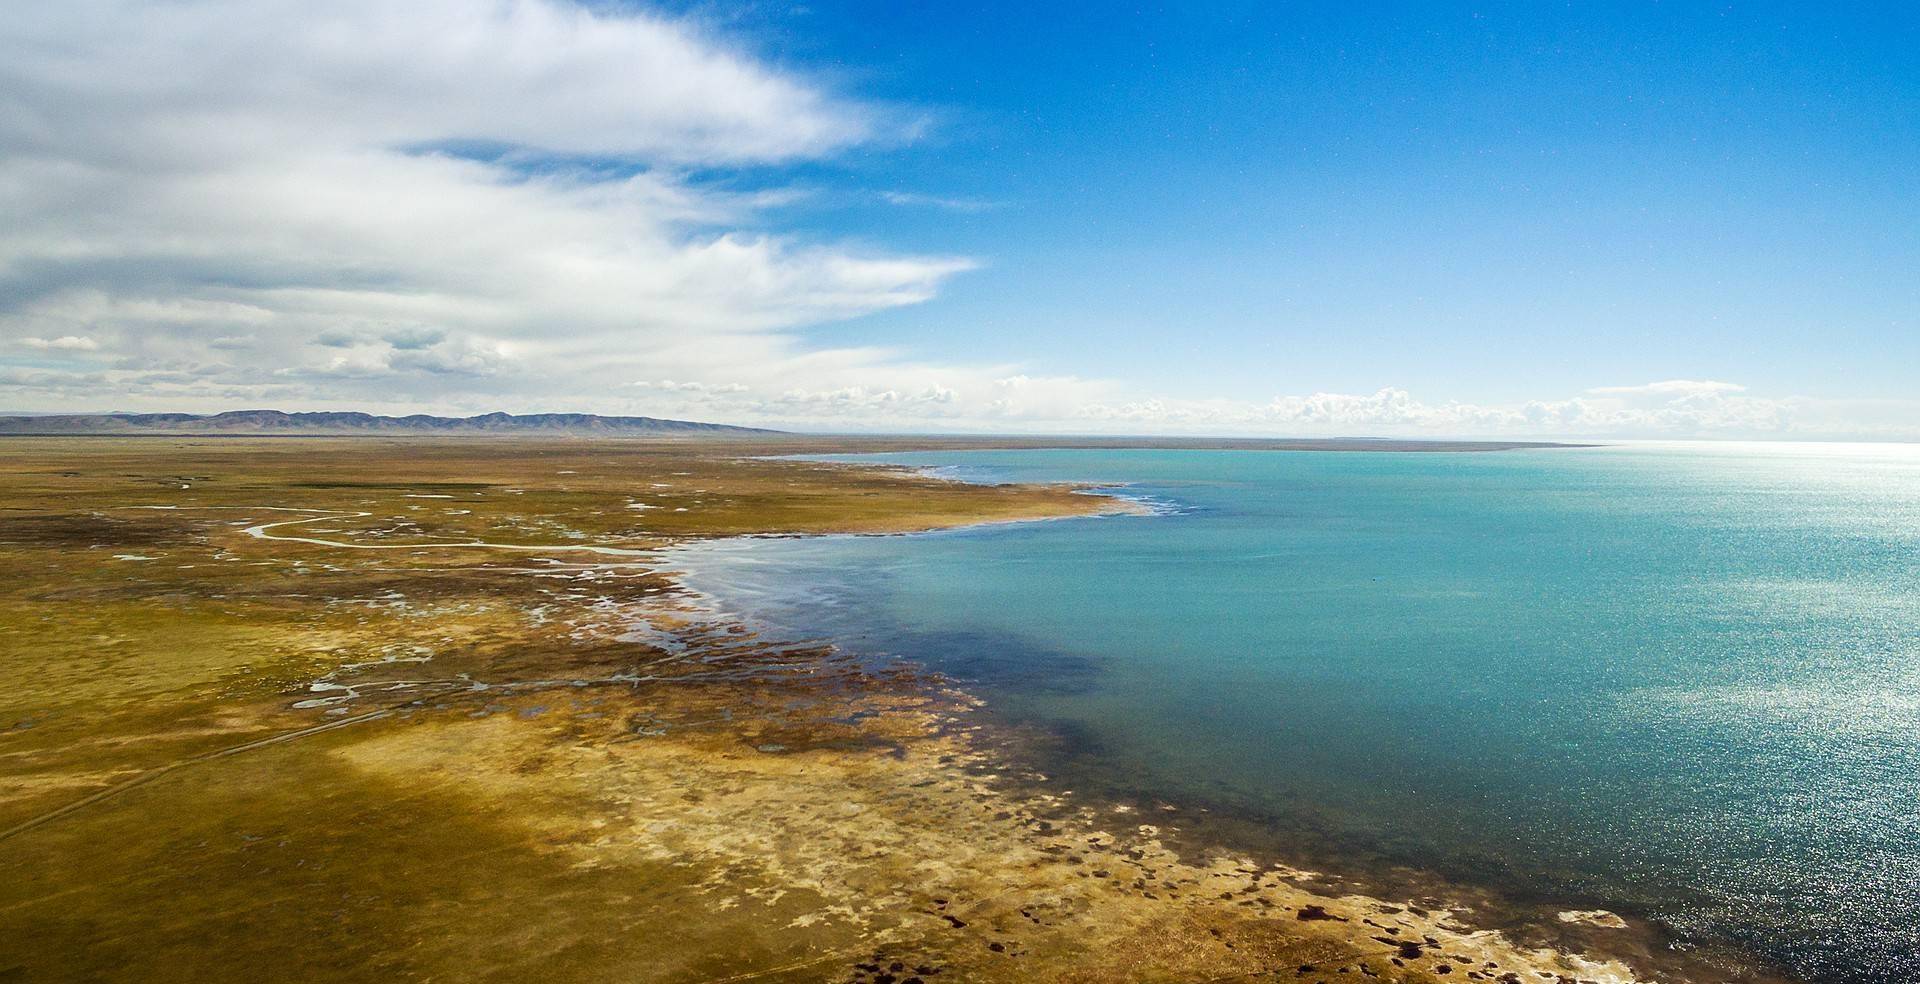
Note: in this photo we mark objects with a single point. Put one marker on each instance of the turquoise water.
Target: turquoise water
(1684, 681)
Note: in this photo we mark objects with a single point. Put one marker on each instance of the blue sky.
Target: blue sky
(1479, 199)
(1635, 219)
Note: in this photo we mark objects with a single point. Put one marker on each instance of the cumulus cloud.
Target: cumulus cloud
(220, 197)
(65, 343)
(1669, 389)
(234, 75)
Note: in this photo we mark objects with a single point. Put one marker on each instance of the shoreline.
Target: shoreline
(1600, 937)
(510, 763)
(1099, 842)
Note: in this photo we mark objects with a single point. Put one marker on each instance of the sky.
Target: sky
(1655, 220)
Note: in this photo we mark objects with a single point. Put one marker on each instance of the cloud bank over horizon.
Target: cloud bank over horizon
(460, 207)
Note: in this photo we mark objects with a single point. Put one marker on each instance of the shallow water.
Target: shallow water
(1681, 680)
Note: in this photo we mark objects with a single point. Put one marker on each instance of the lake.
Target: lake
(1682, 681)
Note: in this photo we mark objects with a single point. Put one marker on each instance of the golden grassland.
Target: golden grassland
(476, 733)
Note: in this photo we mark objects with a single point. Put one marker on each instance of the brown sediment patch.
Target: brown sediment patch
(1593, 917)
(894, 836)
(1528, 917)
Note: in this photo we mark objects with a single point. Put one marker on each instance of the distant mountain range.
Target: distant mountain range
(248, 422)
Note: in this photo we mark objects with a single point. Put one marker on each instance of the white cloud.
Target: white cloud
(1670, 389)
(689, 386)
(232, 76)
(1669, 409)
(255, 199)
(65, 343)
(950, 203)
